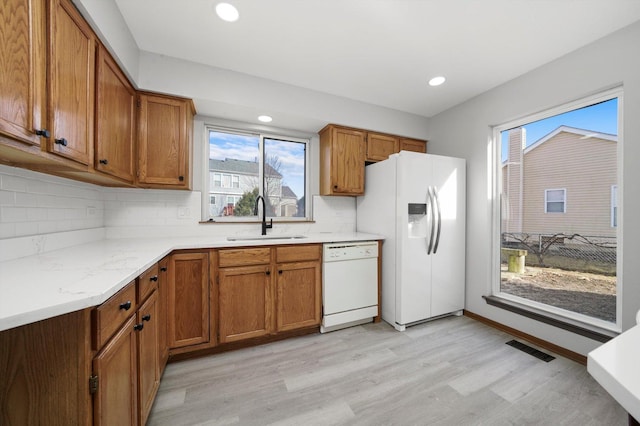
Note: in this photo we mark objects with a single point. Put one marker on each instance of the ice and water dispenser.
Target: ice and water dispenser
(417, 220)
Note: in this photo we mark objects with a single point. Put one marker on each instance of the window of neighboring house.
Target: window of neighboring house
(545, 260)
(555, 200)
(614, 206)
(275, 167)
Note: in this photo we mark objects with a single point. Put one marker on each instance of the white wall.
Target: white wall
(465, 131)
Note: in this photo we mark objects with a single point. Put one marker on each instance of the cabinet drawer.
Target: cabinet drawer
(147, 282)
(109, 316)
(243, 257)
(298, 252)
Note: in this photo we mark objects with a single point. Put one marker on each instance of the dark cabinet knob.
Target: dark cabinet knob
(280, 272)
(154, 278)
(126, 305)
(61, 141)
(105, 161)
(267, 272)
(180, 178)
(138, 327)
(44, 133)
(146, 317)
(335, 187)
(163, 269)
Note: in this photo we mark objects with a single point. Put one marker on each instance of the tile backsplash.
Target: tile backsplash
(34, 204)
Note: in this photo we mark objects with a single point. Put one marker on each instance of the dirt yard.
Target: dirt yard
(585, 293)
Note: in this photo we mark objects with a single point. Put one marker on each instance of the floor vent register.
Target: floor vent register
(531, 351)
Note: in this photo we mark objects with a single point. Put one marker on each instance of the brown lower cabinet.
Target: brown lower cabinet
(268, 290)
(102, 365)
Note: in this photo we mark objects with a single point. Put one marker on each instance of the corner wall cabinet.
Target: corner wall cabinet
(115, 119)
(345, 151)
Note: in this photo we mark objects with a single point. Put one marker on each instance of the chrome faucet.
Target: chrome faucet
(264, 215)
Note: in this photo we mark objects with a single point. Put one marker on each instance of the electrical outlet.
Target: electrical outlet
(184, 212)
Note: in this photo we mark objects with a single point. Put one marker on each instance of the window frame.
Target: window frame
(614, 206)
(564, 200)
(262, 133)
(495, 190)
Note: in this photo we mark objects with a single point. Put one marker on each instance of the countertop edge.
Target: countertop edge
(68, 287)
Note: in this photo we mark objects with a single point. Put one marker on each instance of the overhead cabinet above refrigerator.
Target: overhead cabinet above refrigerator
(417, 202)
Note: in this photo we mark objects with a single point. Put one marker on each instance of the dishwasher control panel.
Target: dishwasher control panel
(347, 251)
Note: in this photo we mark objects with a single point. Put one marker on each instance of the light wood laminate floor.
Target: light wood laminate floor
(452, 371)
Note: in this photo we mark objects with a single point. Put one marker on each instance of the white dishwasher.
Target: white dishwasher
(349, 284)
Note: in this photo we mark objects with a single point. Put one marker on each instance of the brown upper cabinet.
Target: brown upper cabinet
(164, 141)
(344, 151)
(115, 119)
(72, 48)
(23, 61)
(380, 147)
(342, 157)
(67, 108)
(415, 145)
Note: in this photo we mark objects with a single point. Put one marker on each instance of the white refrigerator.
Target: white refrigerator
(417, 202)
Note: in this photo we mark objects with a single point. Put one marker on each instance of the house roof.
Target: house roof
(240, 166)
(584, 133)
(288, 192)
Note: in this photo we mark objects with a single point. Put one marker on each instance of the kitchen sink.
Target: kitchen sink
(266, 237)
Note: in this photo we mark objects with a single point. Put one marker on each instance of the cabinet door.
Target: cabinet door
(245, 302)
(342, 157)
(71, 78)
(22, 62)
(413, 145)
(298, 297)
(115, 402)
(164, 129)
(148, 356)
(188, 320)
(115, 119)
(163, 306)
(380, 147)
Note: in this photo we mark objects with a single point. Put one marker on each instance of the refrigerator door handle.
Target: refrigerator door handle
(437, 203)
(433, 219)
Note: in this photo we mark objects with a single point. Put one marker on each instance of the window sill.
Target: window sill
(587, 330)
(252, 222)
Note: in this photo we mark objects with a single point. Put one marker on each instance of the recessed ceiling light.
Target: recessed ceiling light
(265, 119)
(437, 81)
(227, 12)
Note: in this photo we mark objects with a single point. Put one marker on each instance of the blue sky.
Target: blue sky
(602, 117)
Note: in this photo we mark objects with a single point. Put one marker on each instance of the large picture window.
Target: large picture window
(553, 257)
(243, 166)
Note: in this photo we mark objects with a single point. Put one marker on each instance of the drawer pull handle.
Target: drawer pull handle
(154, 278)
(138, 327)
(146, 317)
(126, 305)
(44, 133)
(105, 161)
(61, 141)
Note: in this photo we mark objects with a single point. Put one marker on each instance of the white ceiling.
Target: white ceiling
(381, 52)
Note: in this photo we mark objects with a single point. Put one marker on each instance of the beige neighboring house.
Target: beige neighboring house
(565, 182)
